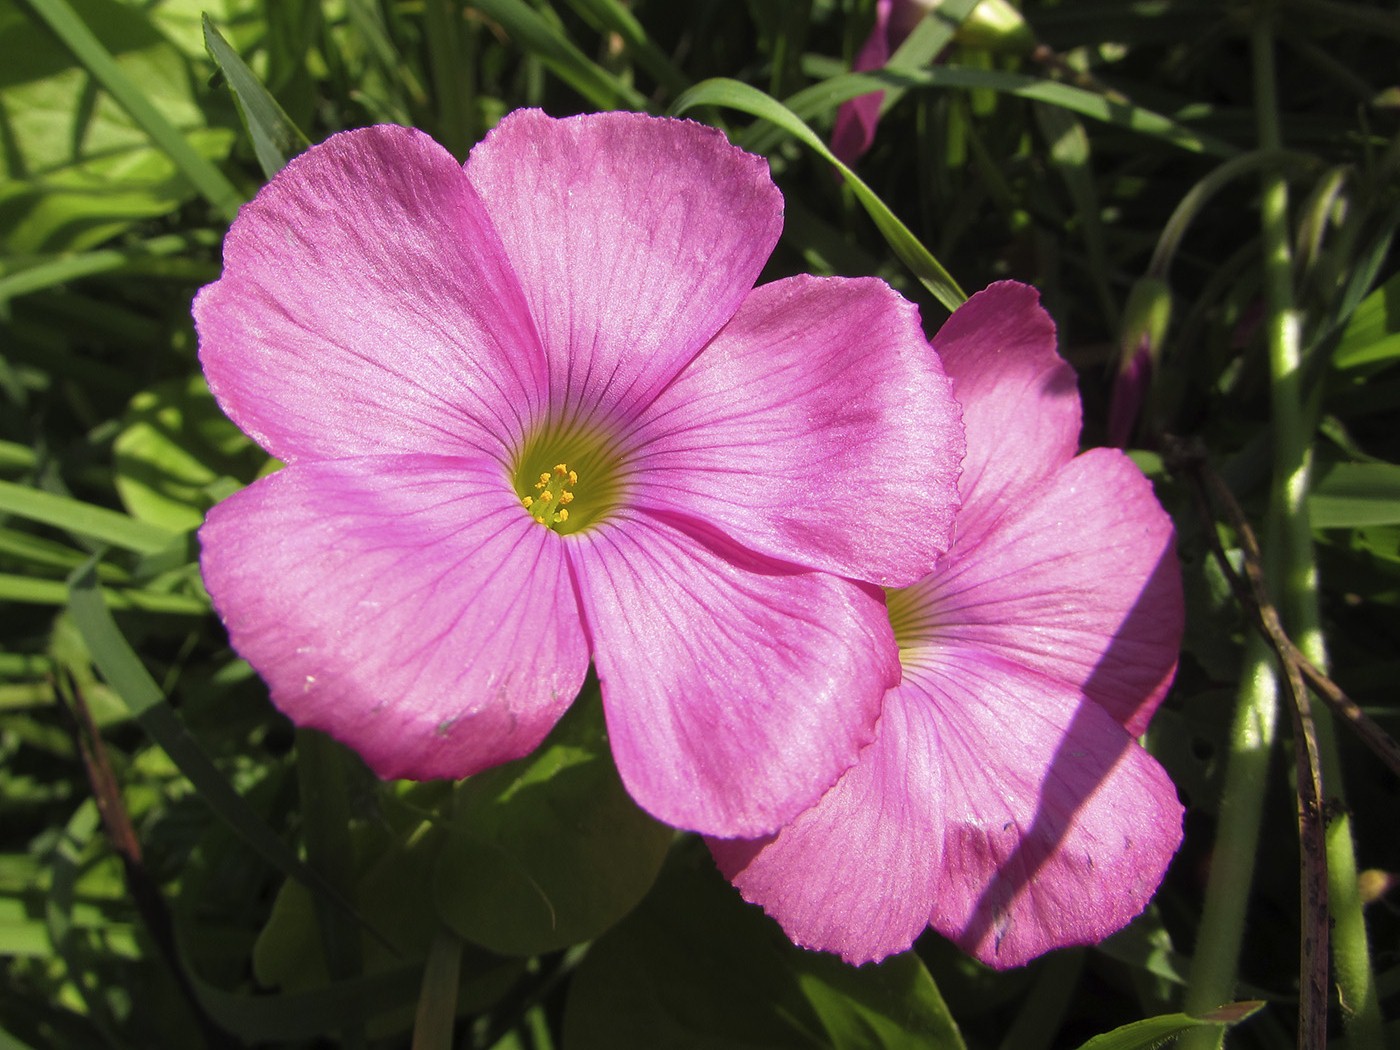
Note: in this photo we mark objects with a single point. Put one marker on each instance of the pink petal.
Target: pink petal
(366, 307)
(737, 689)
(818, 428)
(404, 604)
(636, 238)
(1080, 583)
(857, 119)
(1057, 826)
(1020, 402)
(855, 873)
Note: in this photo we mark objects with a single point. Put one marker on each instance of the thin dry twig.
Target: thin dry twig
(1190, 460)
(145, 893)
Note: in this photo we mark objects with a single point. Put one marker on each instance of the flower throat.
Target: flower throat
(569, 478)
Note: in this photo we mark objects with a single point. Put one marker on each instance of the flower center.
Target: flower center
(569, 477)
(913, 616)
(555, 491)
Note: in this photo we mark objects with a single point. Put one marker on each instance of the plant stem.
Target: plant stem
(1292, 434)
(1212, 977)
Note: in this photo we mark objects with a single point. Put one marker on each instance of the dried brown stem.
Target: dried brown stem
(145, 893)
(1312, 831)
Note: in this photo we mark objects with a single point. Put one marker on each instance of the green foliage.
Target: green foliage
(284, 897)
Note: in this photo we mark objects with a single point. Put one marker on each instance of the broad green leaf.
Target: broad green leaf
(1372, 335)
(276, 139)
(392, 880)
(734, 94)
(894, 1004)
(548, 851)
(1348, 495)
(77, 25)
(174, 448)
(695, 967)
(1154, 1031)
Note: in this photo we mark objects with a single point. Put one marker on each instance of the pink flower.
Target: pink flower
(1004, 800)
(534, 413)
(857, 119)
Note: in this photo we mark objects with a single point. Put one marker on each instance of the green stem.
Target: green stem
(1297, 584)
(1212, 978)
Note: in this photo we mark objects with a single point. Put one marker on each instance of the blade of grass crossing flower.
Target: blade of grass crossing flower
(128, 677)
(84, 519)
(211, 183)
(276, 139)
(1152, 1032)
(536, 36)
(733, 94)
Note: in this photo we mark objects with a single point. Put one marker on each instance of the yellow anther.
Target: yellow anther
(566, 497)
(528, 501)
(544, 479)
(546, 496)
(561, 469)
(573, 478)
(563, 515)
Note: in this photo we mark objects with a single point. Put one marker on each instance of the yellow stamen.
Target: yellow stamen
(554, 489)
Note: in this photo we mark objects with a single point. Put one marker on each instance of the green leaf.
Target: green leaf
(276, 139)
(695, 967)
(733, 94)
(1372, 335)
(174, 448)
(77, 35)
(1349, 495)
(548, 851)
(893, 1004)
(1153, 1032)
(84, 519)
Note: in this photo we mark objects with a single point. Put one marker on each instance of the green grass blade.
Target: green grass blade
(840, 86)
(84, 519)
(27, 590)
(733, 94)
(535, 36)
(60, 17)
(276, 138)
(153, 256)
(614, 17)
(129, 679)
